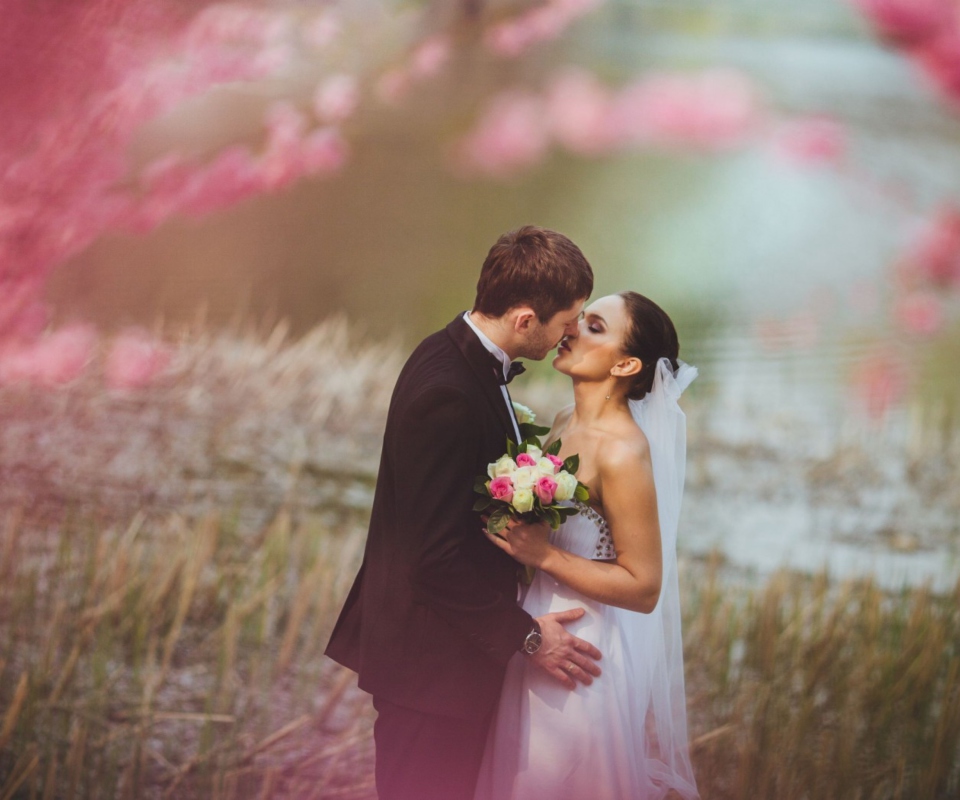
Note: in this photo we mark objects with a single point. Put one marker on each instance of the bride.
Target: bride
(625, 735)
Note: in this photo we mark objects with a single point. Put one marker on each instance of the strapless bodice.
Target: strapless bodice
(585, 534)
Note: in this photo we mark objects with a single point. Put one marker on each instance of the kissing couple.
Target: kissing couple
(570, 688)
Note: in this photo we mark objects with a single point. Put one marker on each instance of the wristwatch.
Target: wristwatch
(533, 641)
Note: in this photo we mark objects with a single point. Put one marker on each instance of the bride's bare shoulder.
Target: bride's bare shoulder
(624, 446)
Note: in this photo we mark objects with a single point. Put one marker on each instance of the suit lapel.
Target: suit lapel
(481, 362)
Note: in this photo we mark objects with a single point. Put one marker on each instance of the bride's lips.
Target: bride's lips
(563, 346)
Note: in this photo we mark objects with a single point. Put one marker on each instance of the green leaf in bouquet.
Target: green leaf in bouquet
(531, 432)
(482, 503)
(553, 448)
(572, 464)
(498, 520)
(512, 448)
(581, 493)
(553, 517)
(480, 485)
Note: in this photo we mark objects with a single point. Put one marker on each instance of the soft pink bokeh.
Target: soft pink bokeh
(76, 85)
(710, 111)
(920, 313)
(907, 22)
(57, 358)
(579, 113)
(811, 140)
(510, 136)
(927, 31)
(513, 37)
(430, 56)
(880, 383)
(135, 360)
(336, 98)
(934, 254)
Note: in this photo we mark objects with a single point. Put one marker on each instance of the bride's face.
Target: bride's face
(596, 348)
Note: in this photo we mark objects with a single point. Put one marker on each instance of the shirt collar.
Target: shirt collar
(489, 345)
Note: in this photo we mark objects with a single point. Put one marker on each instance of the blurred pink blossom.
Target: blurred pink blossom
(811, 140)
(393, 85)
(712, 110)
(939, 58)
(513, 37)
(920, 313)
(907, 22)
(336, 98)
(323, 30)
(430, 56)
(510, 136)
(935, 252)
(880, 383)
(579, 111)
(135, 360)
(224, 22)
(54, 359)
(324, 151)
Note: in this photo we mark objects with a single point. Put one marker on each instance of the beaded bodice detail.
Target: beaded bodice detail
(604, 550)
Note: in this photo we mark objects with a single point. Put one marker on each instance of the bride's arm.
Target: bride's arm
(630, 506)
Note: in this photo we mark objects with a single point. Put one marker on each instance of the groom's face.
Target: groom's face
(544, 336)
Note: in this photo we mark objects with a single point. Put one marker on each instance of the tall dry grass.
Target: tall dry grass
(178, 660)
(807, 688)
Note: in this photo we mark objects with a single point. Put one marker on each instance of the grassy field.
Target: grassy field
(161, 659)
(162, 624)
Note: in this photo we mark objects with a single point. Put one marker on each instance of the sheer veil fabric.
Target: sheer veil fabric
(625, 736)
(665, 425)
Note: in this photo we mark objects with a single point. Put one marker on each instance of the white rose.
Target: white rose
(525, 477)
(546, 466)
(524, 414)
(566, 486)
(534, 452)
(503, 466)
(523, 500)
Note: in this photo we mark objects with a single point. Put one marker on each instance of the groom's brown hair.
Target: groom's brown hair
(535, 267)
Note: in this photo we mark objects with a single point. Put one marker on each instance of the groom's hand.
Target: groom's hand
(565, 657)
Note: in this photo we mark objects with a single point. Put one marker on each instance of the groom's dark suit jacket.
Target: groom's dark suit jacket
(432, 618)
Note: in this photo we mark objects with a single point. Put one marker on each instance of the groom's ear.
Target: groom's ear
(630, 365)
(523, 318)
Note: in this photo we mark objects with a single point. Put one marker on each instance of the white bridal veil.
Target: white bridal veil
(659, 645)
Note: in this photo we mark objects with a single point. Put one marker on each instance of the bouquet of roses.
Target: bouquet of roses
(529, 482)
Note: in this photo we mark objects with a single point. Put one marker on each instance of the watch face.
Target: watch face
(533, 642)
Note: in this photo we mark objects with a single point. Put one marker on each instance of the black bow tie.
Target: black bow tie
(516, 368)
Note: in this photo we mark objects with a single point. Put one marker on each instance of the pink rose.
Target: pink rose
(557, 462)
(545, 488)
(501, 488)
(526, 460)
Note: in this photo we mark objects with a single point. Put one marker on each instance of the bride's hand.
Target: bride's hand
(528, 543)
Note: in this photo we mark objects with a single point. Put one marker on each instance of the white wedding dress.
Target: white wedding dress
(623, 737)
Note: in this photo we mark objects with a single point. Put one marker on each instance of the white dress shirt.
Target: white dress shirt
(505, 360)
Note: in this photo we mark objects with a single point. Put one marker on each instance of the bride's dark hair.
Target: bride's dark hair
(650, 337)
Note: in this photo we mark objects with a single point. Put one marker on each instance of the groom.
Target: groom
(432, 618)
